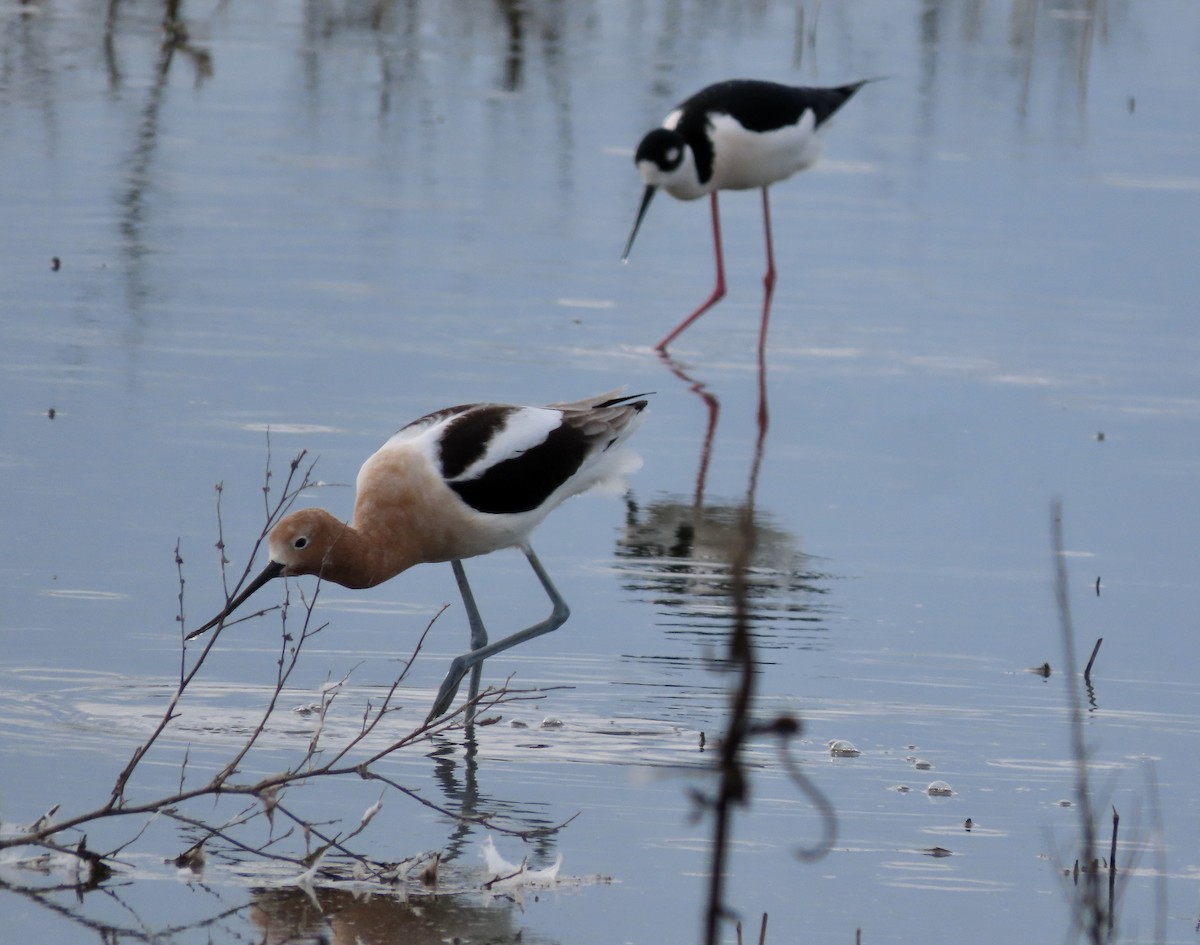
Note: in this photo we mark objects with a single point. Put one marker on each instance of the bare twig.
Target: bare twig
(1087, 670)
(266, 791)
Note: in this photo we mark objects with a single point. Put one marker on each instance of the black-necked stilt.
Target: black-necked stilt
(458, 483)
(734, 135)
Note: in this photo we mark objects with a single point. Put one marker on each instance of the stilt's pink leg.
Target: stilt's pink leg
(768, 277)
(718, 291)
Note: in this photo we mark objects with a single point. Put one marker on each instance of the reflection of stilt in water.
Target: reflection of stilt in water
(700, 389)
(680, 557)
(713, 406)
(683, 552)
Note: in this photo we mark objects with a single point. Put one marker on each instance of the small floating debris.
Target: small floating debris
(939, 789)
(901, 788)
(517, 723)
(1099, 864)
(306, 710)
(550, 722)
(937, 851)
(429, 875)
(191, 860)
(503, 873)
(840, 748)
(1065, 802)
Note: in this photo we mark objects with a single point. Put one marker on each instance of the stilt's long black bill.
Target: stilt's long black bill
(646, 198)
(272, 570)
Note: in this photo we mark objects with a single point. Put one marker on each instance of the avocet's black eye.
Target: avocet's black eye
(300, 543)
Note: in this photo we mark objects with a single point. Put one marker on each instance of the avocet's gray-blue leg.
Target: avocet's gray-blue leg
(470, 661)
(479, 635)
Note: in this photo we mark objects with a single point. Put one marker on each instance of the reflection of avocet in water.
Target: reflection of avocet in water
(679, 556)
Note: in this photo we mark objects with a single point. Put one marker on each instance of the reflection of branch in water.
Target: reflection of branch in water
(1034, 39)
(77, 900)
(110, 46)
(133, 199)
(513, 14)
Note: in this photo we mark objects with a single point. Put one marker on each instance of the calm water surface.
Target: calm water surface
(323, 220)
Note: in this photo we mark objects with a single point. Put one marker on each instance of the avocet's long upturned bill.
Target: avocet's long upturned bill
(735, 135)
(460, 482)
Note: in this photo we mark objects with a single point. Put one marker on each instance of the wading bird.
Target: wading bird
(734, 135)
(458, 483)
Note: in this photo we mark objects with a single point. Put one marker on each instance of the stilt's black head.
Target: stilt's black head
(663, 148)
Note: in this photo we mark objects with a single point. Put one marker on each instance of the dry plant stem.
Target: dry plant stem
(327, 842)
(301, 772)
(371, 720)
(1090, 912)
(286, 666)
(1087, 670)
(223, 834)
(1112, 870)
(265, 791)
(285, 502)
(273, 513)
(118, 806)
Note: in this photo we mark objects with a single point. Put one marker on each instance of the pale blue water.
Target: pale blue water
(351, 222)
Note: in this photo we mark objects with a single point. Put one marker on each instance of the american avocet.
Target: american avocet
(460, 482)
(735, 135)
